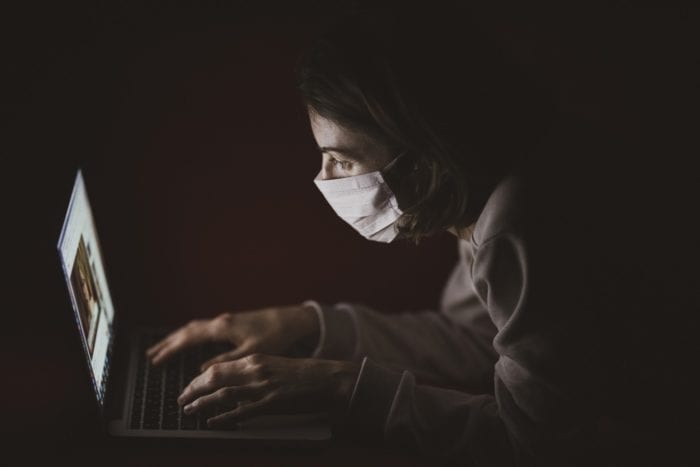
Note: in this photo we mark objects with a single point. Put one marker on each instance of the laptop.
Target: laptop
(142, 397)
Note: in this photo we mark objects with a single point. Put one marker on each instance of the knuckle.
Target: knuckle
(228, 393)
(261, 374)
(255, 359)
(214, 373)
(267, 385)
(256, 366)
(224, 318)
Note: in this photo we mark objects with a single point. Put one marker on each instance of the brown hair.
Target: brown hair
(435, 88)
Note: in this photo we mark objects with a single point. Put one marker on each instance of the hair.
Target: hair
(434, 88)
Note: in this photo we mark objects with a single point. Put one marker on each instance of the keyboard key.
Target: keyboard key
(157, 389)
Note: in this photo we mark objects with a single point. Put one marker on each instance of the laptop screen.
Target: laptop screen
(84, 272)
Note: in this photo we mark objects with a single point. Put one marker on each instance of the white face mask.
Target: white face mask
(365, 202)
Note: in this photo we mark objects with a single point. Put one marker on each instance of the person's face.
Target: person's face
(84, 286)
(345, 152)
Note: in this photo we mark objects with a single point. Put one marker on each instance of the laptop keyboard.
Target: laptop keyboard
(158, 387)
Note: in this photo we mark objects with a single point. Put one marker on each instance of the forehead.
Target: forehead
(330, 134)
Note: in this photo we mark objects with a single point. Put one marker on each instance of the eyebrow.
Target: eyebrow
(350, 152)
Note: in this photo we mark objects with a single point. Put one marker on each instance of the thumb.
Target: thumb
(239, 352)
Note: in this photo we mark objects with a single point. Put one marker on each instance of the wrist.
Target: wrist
(308, 321)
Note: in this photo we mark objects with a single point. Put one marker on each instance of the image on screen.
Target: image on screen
(87, 284)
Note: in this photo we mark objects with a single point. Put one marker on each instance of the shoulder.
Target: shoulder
(550, 192)
(503, 211)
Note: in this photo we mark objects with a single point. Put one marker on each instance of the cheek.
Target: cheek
(327, 169)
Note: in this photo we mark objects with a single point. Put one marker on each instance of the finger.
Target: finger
(225, 397)
(235, 354)
(165, 353)
(155, 348)
(169, 350)
(172, 337)
(189, 336)
(242, 412)
(223, 374)
(197, 388)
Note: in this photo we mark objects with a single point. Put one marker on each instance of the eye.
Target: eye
(344, 165)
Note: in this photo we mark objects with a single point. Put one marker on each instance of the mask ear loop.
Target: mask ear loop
(393, 162)
(391, 178)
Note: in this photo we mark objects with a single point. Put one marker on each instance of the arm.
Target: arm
(537, 411)
(449, 348)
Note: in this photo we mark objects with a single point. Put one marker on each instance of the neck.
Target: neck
(463, 233)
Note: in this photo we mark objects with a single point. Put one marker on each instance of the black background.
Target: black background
(199, 163)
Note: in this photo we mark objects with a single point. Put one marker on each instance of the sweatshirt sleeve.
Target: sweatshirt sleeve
(452, 347)
(534, 415)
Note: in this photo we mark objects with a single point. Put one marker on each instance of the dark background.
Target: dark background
(199, 163)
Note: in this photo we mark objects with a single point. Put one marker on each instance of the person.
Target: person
(88, 301)
(539, 352)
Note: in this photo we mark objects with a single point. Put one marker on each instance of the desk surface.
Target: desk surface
(111, 451)
(107, 451)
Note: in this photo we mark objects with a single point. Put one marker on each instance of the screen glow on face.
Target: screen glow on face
(346, 152)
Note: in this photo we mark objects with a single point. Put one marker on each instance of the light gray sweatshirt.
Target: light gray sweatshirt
(567, 331)
(512, 369)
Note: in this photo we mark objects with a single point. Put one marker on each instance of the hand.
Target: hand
(265, 384)
(271, 331)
